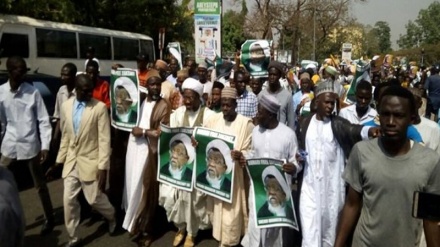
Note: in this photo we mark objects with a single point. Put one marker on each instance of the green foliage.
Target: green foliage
(382, 32)
(233, 34)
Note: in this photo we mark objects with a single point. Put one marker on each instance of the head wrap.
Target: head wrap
(224, 150)
(272, 170)
(277, 65)
(270, 103)
(229, 92)
(183, 72)
(128, 85)
(161, 64)
(331, 70)
(304, 75)
(324, 87)
(186, 141)
(194, 85)
(153, 73)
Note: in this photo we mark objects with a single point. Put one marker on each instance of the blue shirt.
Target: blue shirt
(78, 109)
(412, 133)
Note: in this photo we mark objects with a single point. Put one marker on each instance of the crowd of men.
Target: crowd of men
(352, 173)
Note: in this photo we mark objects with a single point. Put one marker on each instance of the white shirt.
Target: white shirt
(62, 96)
(351, 115)
(430, 132)
(25, 125)
(172, 79)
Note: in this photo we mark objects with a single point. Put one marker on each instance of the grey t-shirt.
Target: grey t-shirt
(387, 185)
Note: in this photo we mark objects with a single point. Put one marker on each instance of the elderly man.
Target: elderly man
(229, 220)
(187, 209)
(167, 87)
(286, 115)
(271, 139)
(126, 97)
(181, 153)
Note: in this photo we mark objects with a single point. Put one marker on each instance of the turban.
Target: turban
(186, 141)
(128, 85)
(183, 72)
(153, 73)
(270, 103)
(272, 170)
(304, 75)
(224, 150)
(161, 64)
(194, 85)
(229, 92)
(331, 70)
(277, 65)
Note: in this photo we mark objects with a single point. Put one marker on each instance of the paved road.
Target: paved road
(93, 232)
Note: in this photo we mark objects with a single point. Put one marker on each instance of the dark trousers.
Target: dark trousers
(39, 179)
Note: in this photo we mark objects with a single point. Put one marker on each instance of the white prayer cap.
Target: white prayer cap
(186, 141)
(194, 85)
(311, 65)
(270, 103)
(203, 65)
(224, 150)
(324, 87)
(128, 85)
(272, 170)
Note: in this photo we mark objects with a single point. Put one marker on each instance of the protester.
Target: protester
(432, 85)
(191, 66)
(90, 56)
(382, 175)
(167, 87)
(215, 102)
(202, 72)
(271, 139)
(173, 67)
(247, 102)
(142, 61)
(229, 220)
(101, 88)
(85, 121)
(25, 131)
(286, 115)
(256, 85)
(303, 96)
(176, 99)
(360, 112)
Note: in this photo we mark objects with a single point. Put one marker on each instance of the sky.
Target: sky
(396, 12)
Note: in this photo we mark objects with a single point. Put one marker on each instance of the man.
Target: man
(68, 74)
(101, 88)
(247, 102)
(428, 129)
(218, 164)
(142, 61)
(191, 66)
(90, 56)
(328, 140)
(256, 85)
(181, 153)
(85, 152)
(176, 99)
(167, 87)
(229, 219)
(330, 73)
(382, 175)
(202, 72)
(26, 131)
(187, 210)
(304, 95)
(360, 112)
(173, 67)
(432, 85)
(12, 223)
(271, 139)
(126, 97)
(286, 115)
(142, 188)
(215, 103)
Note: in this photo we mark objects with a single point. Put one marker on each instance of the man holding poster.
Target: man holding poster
(271, 139)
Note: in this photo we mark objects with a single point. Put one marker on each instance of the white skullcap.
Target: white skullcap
(272, 170)
(203, 65)
(186, 141)
(194, 85)
(224, 150)
(128, 85)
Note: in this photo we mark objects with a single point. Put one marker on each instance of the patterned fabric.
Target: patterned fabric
(247, 104)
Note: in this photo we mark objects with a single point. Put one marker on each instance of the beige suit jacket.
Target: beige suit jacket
(90, 149)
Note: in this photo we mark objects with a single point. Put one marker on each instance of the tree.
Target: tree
(412, 37)
(233, 34)
(382, 32)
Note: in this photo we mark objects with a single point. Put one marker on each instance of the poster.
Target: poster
(255, 56)
(176, 157)
(214, 164)
(346, 52)
(362, 73)
(124, 97)
(207, 21)
(273, 205)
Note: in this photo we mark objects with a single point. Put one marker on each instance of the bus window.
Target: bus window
(125, 49)
(148, 48)
(12, 44)
(51, 43)
(100, 43)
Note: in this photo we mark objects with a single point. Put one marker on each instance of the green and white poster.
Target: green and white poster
(255, 56)
(273, 204)
(176, 157)
(362, 73)
(207, 21)
(214, 163)
(124, 97)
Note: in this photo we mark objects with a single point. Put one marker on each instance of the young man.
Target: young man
(167, 87)
(173, 67)
(383, 174)
(25, 131)
(360, 112)
(85, 152)
(247, 102)
(215, 103)
(101, 88)
(142, 61)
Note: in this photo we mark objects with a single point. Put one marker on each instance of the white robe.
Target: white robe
(322, 191)
(136, 157)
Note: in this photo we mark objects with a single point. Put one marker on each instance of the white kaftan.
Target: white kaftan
(136, 157)
(278, 143)
(322, 192)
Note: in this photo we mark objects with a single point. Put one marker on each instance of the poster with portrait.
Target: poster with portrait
(214, 164)
(176, 157)
(124, 98)
(207, 35)
(273, 204)
(255, 56)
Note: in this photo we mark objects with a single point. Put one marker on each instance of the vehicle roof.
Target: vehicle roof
(24, 20)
